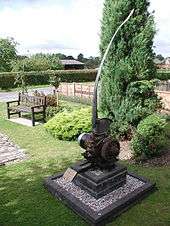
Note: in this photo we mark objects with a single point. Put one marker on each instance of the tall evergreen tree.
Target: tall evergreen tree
(127, 90)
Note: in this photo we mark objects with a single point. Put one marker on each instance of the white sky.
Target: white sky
(67, 26)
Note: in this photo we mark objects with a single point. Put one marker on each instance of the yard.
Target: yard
(24, 201)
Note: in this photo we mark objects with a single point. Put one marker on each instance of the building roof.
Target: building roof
(71, 62)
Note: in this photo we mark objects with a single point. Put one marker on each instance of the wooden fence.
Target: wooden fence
(86, 91)
(77, 90)
(163, 86)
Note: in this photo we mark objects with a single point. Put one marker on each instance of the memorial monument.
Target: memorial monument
(99, 188)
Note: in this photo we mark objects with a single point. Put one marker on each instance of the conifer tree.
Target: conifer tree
(127, 88)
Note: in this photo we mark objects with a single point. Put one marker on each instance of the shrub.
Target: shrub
(68, 126)
(148, 137)
(140, 101)
(52, 111)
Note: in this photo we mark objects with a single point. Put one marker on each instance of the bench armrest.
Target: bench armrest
(13, 101)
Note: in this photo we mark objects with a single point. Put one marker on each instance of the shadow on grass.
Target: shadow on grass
(24, 200)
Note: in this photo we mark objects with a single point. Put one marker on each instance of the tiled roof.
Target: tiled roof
(71, 62)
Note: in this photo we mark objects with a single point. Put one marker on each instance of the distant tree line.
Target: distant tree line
(11, 61)
(91, 62)
(159, 57)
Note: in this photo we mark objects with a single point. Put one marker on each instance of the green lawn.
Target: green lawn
(24, 201)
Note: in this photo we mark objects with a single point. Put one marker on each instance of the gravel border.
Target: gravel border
(101, 203)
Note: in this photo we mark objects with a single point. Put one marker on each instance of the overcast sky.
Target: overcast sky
(68, 26)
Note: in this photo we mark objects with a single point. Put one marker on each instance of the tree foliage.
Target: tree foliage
(38, 62)
(91, 62)
(127, 89)
(80, 57)
(160, 57)
(7, 53)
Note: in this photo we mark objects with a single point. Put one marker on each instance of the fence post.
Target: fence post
(54, 91)
(89, 91)
(61, 90)
(57, 98)
(74, 89)
(67, 89)
(81, 91)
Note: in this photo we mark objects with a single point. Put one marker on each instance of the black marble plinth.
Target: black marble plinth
(99, 182)
(98, 211)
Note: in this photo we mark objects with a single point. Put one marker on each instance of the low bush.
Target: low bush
(150, 134)
(52, 111)
(7, 79)
(69, 125)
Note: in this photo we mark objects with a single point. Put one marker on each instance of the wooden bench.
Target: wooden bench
(28, 104)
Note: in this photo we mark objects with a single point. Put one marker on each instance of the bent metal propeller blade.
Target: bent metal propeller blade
(94, 111)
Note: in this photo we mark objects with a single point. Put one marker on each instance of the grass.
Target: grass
(24, 201)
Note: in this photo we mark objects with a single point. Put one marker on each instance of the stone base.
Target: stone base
(99, 182)
(101, 210)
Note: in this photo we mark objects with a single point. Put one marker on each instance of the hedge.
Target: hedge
(7, 79)
(163, 74)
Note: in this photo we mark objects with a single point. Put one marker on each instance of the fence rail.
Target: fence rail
(163, 86)
(77, 90)
(85, 92)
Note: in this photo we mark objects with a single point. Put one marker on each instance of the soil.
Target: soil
(126, 154)
(162, 160)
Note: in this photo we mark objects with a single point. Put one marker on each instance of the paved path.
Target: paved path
(9, 152)
(7, 96)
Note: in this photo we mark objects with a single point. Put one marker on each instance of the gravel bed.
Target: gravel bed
(99, 204)
(9, 152)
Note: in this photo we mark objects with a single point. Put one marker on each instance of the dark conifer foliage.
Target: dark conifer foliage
(127, 90)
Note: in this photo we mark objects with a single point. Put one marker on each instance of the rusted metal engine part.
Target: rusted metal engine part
(101, 150)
